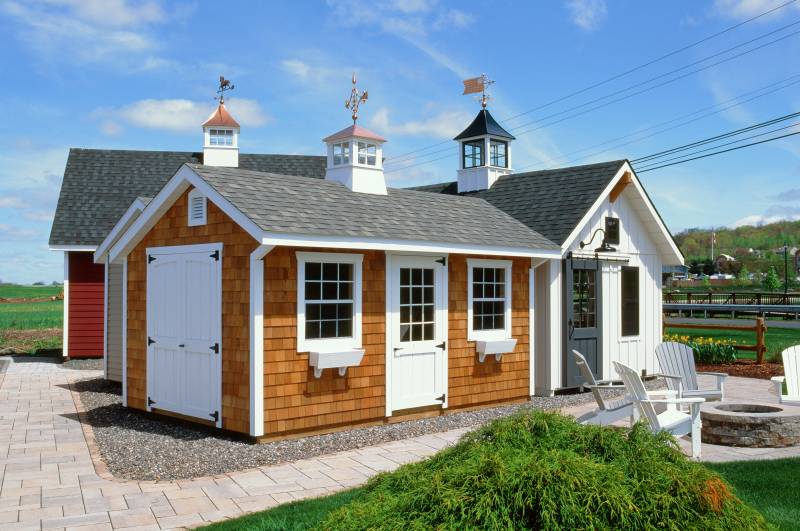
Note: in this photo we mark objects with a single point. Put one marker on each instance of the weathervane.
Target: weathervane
(477, 85)
(355, 100)
(224, 86)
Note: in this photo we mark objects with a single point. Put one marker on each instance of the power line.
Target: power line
(792, 80)
(625, 97)
(717, 152)
(722, 136)
(622, 74)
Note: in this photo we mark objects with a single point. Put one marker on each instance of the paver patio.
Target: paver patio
(52, 477)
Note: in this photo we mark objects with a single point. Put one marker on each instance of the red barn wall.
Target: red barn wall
(85, 311)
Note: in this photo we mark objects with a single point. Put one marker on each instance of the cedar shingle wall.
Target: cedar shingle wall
(470, 382)
(293, 398)
(172, 229)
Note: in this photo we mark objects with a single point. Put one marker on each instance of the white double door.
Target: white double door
(417, 320)
(184, 340)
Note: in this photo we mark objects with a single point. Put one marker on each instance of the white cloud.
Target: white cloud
(443, 125)
(771, 215)
(454, 18)
(587, 14)
(12, 233)
(315, 75)
(177, 115)
(12, 202)
(736, 114)
(113, 32)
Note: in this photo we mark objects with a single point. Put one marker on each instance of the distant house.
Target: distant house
(726, 264)
(797, 261)
(273, 295)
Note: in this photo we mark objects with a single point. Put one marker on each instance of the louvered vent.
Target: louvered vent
(197, 208)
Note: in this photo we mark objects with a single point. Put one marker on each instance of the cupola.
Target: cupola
(355, 154)
(484, 147)
(221, 133)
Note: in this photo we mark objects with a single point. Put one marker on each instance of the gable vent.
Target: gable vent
(197, 208)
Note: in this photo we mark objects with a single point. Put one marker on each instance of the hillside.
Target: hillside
(696, 244)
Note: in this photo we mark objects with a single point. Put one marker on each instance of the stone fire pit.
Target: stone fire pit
(756, 425)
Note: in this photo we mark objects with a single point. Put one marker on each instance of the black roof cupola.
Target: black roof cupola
(484, 147)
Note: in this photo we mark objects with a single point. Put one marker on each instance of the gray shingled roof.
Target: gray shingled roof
(100, 184)
(551, 202)
(303, 206)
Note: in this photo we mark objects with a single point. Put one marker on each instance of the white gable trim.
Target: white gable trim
(155, 210)
(120, 226)
(675, 255)
(77, 248)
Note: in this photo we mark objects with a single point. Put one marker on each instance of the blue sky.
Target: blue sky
(141, 75)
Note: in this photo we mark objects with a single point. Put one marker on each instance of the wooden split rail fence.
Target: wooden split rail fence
(759, 328)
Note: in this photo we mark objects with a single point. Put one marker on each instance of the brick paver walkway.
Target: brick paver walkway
(49, 479)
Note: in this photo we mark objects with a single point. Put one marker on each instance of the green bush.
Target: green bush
(540, 470)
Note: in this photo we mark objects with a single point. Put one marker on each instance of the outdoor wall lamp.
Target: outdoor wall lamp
(605, 247)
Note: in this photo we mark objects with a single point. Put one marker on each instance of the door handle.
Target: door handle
(571, 328)
(181, 345)
(396, 349)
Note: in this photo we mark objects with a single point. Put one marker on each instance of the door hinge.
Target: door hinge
(215, 416)
(215, 348)
(442, 260)
(150, 341)
(150, 401)
(215, 255)
(441, 398)
(442, 345)
(150, 258)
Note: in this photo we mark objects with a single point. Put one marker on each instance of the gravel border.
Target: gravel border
(137, 446)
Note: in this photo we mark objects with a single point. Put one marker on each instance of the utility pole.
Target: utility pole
(713, 262)
(785, 268)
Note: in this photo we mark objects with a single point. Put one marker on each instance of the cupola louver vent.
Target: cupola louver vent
(197, 208)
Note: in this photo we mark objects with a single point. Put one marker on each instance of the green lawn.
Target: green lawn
(772, 487)
(295, 516)
(777, 339)
(16, 291)
(31, 315)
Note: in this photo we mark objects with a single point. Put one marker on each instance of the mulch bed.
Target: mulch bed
(746, 368)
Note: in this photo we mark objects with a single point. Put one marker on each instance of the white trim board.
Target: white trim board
(65, 338)
(257, 258)
(125, 333)
(85, 248)
(649, 208)
(105, 319)
(122, 224)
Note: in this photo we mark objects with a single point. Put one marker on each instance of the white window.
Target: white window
(367, 153)
(497, 153)
(328, 301)
(220, 137)
(197, 208)
(489, 299)
(341, 154)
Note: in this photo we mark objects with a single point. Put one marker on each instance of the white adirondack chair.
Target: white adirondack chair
(677, 367)
(791, 369)
(671, 420)
(608, 411)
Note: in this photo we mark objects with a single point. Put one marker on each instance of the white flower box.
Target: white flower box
(335, 360)
(496, 348)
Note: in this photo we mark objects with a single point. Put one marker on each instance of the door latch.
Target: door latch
(396, 349)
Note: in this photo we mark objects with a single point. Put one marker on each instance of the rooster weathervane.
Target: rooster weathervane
(355, 100)
(224, 86)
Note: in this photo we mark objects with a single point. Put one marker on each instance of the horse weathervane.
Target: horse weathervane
(355, 100)
(224, 86)
(477, 85)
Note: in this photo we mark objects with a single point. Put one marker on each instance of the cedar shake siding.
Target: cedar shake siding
(85, 312)
(471, 383)
(294, 400)
(172, 229)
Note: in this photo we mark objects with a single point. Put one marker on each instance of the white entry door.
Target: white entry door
(418, 320)
(184, 330)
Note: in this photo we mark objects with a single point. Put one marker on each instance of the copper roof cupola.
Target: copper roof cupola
(355, 154)
(221, 133)
(484, 146)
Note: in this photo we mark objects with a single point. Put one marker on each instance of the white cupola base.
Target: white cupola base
(221, 139)
(355, 159)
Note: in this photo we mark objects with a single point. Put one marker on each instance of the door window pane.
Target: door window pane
(416, 304)
(584, 297)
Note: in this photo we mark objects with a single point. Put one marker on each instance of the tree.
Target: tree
(743, 278)
(772, 282)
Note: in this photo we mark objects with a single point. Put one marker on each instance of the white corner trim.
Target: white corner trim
(488, 335)
(125, 333)
(105, 319)
(325, 345)
(122, 223)
(65, 326)
(83, 248)
(178, 184)
(257, 339)
(394, 245)
(388, 332)
(662, 229)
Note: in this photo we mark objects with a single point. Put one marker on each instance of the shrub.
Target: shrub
(707, 350)
(539, 470)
